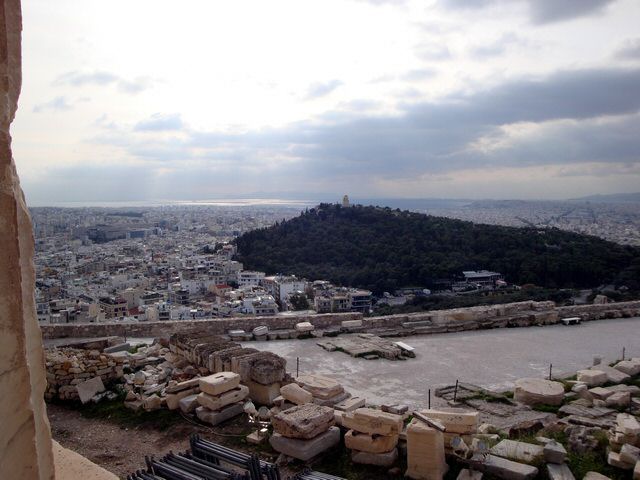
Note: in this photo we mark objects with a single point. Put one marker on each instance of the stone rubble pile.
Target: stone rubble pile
(324, 390)
(365, 345)
(304, 431)
(624, 442)
(67, 368)
(221, 397)
(262, 372)
(372, 436)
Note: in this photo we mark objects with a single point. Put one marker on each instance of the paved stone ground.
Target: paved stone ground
(493, 359)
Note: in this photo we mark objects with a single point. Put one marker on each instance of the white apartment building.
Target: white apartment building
(249, 278)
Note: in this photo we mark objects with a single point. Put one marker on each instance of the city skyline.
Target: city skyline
(453, 99)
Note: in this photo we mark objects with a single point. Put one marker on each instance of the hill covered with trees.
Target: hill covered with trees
(382, 249)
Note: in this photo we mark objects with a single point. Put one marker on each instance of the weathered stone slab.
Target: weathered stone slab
(520, 451)
(619, 399)
(265, 368)
(320, 386)
(628, 424)
(296, 394)
(613, 375)
(154, 402)
(371, 421)
(88, 389)
(614, 460)
(214, 418)
(629, 367)
(425, 452)
(122, 347)
(630, 454)
(261, 331)
(173, 399)
(595, 476)
(455, 420)
(189, 403)
(506, 469)
(304, 327)
(466, 474)
(554, 452)
(194, 382)
(537, 391)
(263, 394)
(397, 409)
(559, 472)
(331, 402)
(600, 393)
(219, 383)
(351, 323)
(589, 412)
(350, 404)
(636, 471)
(592, 378)
(305, 449)
(364, 442)
(385, 459)
(216, 403)
(303, 421)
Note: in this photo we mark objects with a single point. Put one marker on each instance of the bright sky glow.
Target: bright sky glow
(150, 99)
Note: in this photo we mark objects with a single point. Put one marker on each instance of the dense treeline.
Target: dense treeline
(383, 249)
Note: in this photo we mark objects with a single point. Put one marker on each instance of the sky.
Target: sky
(155, 100)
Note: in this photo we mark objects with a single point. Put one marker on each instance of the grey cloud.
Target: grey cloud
(134, 86)
(434, 137)
(540, 11)
(630, 50)
(79, 79)
(385, 2)
(360, 105)
(321, 89)
(58, 104)
(102, 78)
(548, 11)
(159, 123)
(432, 51)
(420, 74)
(497, 47)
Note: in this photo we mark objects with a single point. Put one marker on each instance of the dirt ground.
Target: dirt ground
(121, 449)
(118, 445)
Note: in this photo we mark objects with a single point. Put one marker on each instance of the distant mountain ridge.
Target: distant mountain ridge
(383, 249)
(612, 198)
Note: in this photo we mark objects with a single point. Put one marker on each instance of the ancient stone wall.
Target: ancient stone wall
(25, 437)
(68, 367)
(215, 326)
(520, 314)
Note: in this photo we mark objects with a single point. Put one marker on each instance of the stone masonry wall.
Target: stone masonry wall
(25, 438)
(519, 314)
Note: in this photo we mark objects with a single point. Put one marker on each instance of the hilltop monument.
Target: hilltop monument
(345, 201)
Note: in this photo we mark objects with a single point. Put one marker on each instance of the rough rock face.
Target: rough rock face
(25, 437)
(263, 367)
(370, 443)
(373, 422)
(304, 421)
(536, 391)
(319, 386)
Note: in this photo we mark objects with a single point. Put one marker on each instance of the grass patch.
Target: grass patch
(581, 463)
(547, 408)
(115, 411)
(338, 462)
(491, 397)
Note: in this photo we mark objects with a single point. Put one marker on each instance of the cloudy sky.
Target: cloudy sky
(157, 100)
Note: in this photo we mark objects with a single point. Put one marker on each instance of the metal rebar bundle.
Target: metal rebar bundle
(313, 475)
(214, 453)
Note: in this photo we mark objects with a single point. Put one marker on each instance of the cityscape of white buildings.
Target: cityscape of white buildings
(154, 264)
